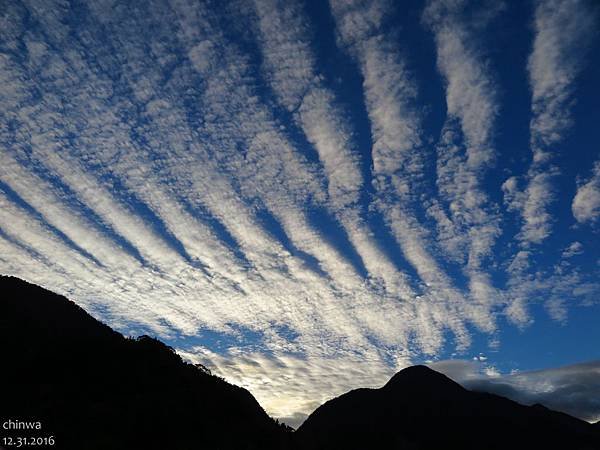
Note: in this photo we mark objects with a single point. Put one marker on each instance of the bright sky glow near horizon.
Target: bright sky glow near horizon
(308, 196)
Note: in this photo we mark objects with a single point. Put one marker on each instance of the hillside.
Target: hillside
(423, 409)
(92, 388)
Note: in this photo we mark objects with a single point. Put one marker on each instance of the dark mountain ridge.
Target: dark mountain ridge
(91, 388)
(423, 409)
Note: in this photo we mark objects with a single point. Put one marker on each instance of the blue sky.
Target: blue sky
(308, 196)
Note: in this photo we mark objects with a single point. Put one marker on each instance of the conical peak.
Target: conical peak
(419, 375)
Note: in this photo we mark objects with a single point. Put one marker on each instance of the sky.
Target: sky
(307, 197)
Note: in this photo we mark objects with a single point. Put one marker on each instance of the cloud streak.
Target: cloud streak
(468, 222)
(563, 32)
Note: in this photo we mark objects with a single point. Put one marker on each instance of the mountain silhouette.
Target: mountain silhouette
(423, 409)
(91, 388)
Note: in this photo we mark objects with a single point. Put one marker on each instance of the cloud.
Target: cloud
(532, 203)
(573, 389)
(468, 222)
(586, 204)
(291, 70)
(397, 151)
(575, 248)
(291, 387)
(563, 33)
(470, 91)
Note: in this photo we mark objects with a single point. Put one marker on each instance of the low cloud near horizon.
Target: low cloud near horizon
(572, 389)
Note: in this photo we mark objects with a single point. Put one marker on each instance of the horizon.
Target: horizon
(306, 197)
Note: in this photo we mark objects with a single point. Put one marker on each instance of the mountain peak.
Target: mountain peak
(422, 409)
(415, 376)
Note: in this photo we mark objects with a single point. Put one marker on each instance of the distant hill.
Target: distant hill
(92, 388)
(423, 409)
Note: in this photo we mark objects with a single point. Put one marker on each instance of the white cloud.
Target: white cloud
(468, 222)
(562, 35)
(586, 204)
(575, 248)
(398, 155)
(291, 69)
(563, 31)
(470, 91)
(532, 203)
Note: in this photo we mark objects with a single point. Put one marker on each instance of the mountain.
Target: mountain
(91, 388)
(422, 409)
